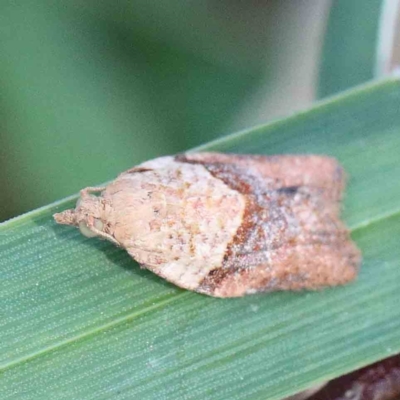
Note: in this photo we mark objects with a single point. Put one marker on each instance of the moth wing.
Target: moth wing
(291, 237)
(287, 171)
(309, 267)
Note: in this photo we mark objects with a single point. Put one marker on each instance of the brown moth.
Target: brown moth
(227, 225)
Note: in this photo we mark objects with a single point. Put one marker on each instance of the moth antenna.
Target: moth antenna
(66, 217)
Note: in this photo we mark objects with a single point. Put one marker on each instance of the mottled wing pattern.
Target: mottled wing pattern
(291, 237)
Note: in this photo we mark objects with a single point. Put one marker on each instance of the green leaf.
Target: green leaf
(349, 55)
(80, 319)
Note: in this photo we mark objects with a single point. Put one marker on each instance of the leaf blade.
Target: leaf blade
(97, 326)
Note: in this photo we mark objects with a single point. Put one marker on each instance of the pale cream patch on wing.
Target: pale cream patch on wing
(182, 219)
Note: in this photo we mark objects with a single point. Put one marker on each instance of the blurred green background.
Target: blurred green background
(91, 88)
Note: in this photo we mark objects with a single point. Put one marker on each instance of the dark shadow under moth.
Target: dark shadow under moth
(227, 225)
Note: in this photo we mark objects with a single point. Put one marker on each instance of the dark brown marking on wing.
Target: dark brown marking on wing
(289, 190)
(135, 170)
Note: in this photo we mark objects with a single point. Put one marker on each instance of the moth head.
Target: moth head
(87, 215)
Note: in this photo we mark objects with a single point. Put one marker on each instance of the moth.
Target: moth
(227, 225)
